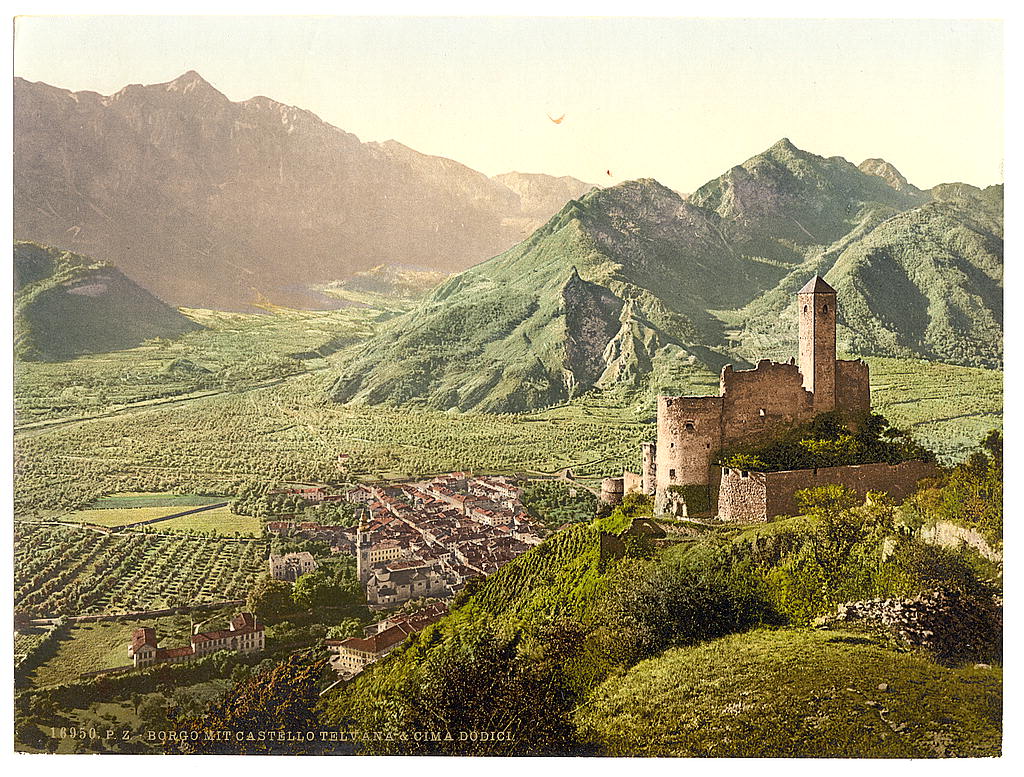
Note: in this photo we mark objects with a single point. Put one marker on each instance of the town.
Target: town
(412, 541)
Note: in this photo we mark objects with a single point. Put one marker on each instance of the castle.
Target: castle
(755, 406)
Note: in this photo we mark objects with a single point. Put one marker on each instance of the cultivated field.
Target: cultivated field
(63, 571)
(120, 516)
(947, 408)
(233, 352)
(220, 521)
(181, 501)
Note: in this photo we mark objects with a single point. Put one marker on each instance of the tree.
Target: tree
(350, 627)
(973, 493)
(838, 527)
(270, 598)
(280, 701)
(475, 680)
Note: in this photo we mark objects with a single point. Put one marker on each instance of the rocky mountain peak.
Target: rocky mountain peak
(784, 144)
(887, 172)
(190, 82)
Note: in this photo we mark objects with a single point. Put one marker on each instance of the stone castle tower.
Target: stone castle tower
(754, 405)
(817, 303)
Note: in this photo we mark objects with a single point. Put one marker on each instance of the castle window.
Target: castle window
(824, 308)
(744, 474)
(762, 412)
(671, 474)
(689, 426)
(671, 445)
(805, 308)
(708, 446)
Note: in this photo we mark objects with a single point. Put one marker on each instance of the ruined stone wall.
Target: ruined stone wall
(632, 482)
(853, 385)
(742, 496)
(757, 404)
(763, 495)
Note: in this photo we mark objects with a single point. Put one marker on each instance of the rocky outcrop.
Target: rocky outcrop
(953, 627)
(591, 320)
(950, 535)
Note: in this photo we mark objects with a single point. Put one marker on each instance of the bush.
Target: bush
(476, 679)
(830, 440)
(651, 606)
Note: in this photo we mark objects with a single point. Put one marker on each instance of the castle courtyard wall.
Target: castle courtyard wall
(853, 385)
(751, 497)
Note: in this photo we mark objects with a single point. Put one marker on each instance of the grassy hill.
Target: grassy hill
(796, 694)
(631, 287)
(66, 305)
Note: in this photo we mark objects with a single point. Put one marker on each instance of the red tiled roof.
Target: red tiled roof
(176, 652)
(378, 643)
(143, 636)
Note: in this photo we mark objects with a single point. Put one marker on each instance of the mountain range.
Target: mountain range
(211, 203)
(631, 286)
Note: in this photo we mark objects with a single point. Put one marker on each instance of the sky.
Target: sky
(679, 100)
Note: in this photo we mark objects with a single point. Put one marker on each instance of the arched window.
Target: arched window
(805, 308)
(824, 309)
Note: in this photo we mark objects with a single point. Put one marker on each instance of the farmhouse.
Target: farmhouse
(244, 634)
(756, 406)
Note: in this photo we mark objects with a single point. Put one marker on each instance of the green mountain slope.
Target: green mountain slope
(924, 283)
(616, 280)
(66, 305)
(632, 288)
(786, 199)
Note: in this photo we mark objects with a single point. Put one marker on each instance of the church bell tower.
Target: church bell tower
(817, 305)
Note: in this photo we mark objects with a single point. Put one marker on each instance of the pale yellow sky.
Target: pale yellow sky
(680, 100)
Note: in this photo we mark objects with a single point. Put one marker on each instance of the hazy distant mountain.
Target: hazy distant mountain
(625, 284)
(392, 281)
(209, 202)
(67, 305)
